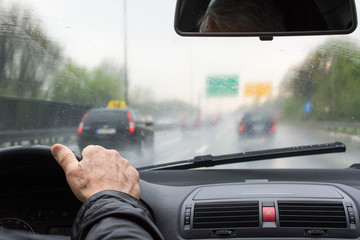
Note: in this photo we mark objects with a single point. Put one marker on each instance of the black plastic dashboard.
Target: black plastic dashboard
(195, 204)
(232, 204)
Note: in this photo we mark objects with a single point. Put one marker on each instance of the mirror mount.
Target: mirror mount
(266, 38)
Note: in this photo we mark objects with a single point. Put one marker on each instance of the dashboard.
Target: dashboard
(193, 204)
(256, 203)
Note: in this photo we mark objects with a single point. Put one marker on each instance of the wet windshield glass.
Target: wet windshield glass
(183, 97)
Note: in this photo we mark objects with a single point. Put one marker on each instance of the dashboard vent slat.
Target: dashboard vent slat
(226, 215)
(312, 214)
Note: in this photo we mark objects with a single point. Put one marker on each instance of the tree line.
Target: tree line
(328, 79)
(32, 66)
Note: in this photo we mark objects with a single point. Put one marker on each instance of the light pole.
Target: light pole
(126, 83)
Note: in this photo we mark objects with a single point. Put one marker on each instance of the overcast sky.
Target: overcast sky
(158, 59)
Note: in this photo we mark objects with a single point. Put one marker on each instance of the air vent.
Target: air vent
(312, 214)
(226, 215)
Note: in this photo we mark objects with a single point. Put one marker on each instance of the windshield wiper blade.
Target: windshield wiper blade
(209, 160)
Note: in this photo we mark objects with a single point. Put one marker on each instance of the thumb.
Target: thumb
(64, 156)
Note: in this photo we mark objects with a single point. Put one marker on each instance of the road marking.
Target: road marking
(202, 149)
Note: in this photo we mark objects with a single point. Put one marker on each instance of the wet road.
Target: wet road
(175, 144)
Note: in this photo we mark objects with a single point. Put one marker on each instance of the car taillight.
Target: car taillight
(273, 127)
(81, 125)
(241, 127)
(131, 123)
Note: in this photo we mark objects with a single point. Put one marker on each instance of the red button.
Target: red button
(269, 214)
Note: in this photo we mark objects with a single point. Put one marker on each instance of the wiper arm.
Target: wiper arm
(209, 160)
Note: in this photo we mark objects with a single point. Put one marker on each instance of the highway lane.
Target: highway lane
(176, 144)
(223, 139)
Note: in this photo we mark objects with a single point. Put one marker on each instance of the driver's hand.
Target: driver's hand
(100, 169)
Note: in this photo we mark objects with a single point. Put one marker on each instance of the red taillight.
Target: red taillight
(241, 128)
(81, 125)
(131, 127)
(273, 128)
(131, 123)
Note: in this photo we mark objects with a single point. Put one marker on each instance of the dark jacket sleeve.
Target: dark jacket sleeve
(114, 215)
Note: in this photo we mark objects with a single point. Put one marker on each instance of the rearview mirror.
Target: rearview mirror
(264, 18)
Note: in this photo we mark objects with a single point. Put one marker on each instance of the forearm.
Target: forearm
(114, 215)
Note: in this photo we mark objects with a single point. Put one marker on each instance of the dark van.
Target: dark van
(116, 129)
(256, 123)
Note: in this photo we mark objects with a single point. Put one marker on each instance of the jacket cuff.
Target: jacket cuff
(111, 203)
(116, 194)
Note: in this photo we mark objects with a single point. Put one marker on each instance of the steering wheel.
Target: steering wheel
(30, 168)
(32, 181)
(23, 154)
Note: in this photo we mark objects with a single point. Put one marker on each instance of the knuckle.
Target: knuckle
(135, 174)
(90, 148)
(115, 153)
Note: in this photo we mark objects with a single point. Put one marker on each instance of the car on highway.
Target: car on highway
(115, 129)
(256, 123)
(63, 61)
(213, 119)
(191, 123)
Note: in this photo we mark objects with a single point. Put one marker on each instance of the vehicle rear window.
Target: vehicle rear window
(106, 116)
(257, 117)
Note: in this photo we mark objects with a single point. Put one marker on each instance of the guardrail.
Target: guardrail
(335, 126)
(16, 113)
(36, 136)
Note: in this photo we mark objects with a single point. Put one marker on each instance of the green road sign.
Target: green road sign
(222, 86)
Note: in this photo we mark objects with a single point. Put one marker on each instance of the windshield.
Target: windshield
(183, 96)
